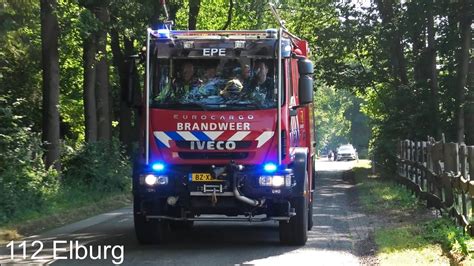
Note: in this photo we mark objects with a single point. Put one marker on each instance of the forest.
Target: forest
(385, 70)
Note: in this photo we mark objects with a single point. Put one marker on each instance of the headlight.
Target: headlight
(274, 180)
(278, 181)
(265, 181)
(152, 180)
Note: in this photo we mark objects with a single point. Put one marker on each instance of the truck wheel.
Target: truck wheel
(151, 231)
(295, 231)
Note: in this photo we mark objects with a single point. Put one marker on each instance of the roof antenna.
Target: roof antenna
(277, 17)
(167, 22)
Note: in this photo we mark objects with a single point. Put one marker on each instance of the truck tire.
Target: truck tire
(151, 231)
(295, 231)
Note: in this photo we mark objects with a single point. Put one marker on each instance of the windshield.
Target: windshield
(224, 83)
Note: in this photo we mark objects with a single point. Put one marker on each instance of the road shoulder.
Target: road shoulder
(64, 218)
(404, 230)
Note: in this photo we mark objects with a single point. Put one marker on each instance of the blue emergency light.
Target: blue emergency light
(270, 167)
(158, 167)
(163, 33)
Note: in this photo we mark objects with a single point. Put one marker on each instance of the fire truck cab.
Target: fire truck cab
(227, 132)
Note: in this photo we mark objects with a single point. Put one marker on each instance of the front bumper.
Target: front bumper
(237, 193)
(346, 157)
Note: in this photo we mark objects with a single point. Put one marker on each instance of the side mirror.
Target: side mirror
(305, 67)
(132, 80)
(305, 88)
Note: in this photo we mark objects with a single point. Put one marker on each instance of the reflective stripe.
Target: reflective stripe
(213, 135)
(187, 135)
(264, 137)
(201, 135)
(174, 135)
(240, 135)
(162, 138)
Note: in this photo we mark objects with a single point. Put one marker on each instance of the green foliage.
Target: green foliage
(405, 245)
(339, 120)
(421, 239)
(450, 236)
(394, 202)
(332, 128)
(20, 53)
(100, 166)
(27, 188)
(381, 195)
(24, 182)
(70, 19)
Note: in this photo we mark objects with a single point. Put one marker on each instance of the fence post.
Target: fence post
(405, 156)
(436, 156)
(429, 165)
(463, 161)
(451, 165)
(399, 162)
(470, 155)
(470, 161)
(422, 170)
(415, 160)
(412, 150)
(419, 160)
(408, 159)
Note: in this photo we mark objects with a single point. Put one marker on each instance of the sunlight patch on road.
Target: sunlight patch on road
(308, 257)
(327, 165)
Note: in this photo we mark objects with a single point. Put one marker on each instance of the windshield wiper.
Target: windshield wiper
(244, 105)
(178, 105)
(192, 105)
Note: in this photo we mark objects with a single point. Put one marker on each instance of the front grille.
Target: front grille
(213, 155)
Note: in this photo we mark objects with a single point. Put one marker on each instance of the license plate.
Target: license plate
(203, 177)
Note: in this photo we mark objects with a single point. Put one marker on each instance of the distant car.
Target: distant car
(346, 152)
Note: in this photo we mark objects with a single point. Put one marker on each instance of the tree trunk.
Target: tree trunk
(465, 22)
(90, 111)
(194, 6)
(50, 65)
(229, 15)
(469, 112)
(104, 122)
(433, 78)
(397, 57)
(125, 116)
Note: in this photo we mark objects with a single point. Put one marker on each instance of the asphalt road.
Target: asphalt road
(339, 228)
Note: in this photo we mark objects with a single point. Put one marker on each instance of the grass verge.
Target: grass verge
(65, 208)
(406, 232)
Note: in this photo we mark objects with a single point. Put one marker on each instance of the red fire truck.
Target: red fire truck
(227, 132)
